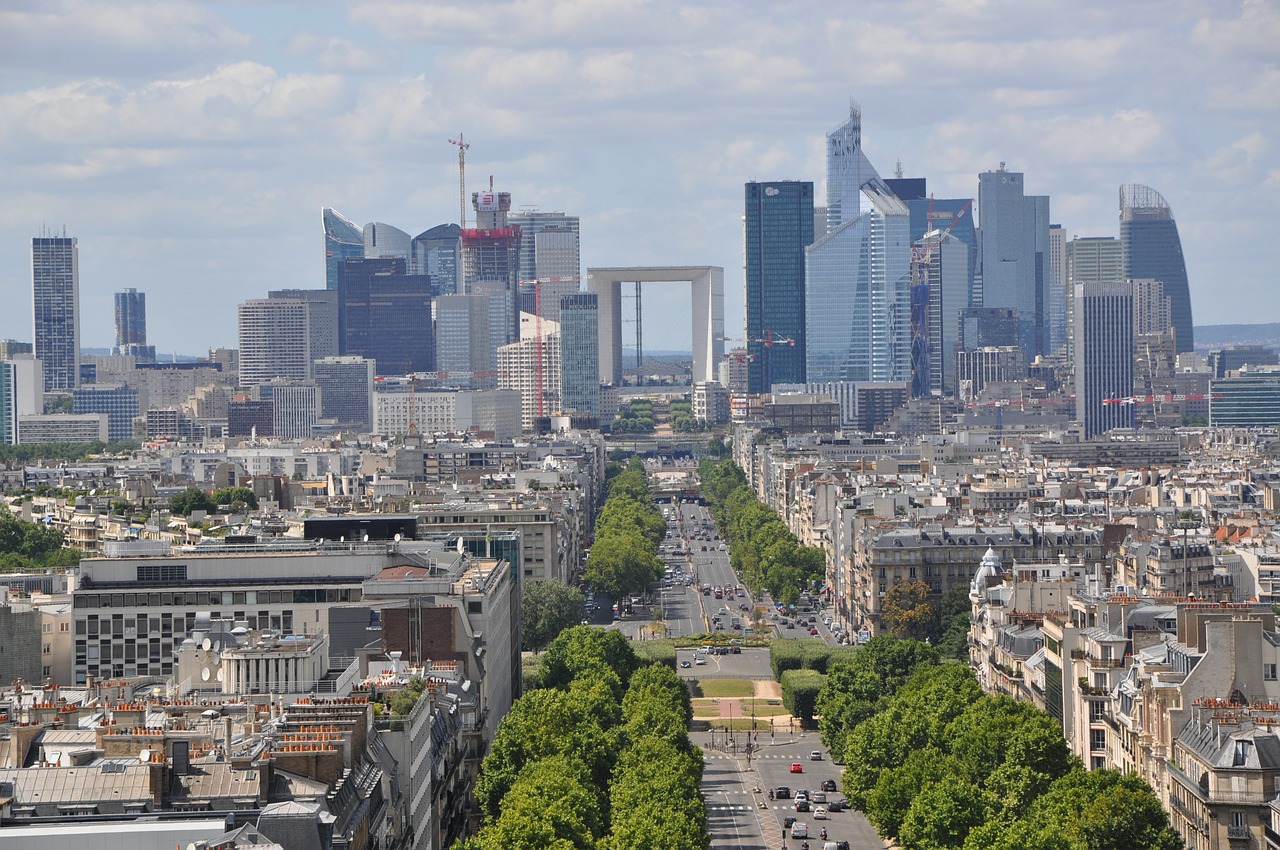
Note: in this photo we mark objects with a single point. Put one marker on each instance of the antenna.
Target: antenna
(462, 178)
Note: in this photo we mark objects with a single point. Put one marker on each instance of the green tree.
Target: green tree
(31, 540)
(942, 815)
(551, 804)
(546, 609)
(800, 689)
(621, 563)
(906, 611)
(191, 499)
(895, 790)
(231, 495)
(584, 648)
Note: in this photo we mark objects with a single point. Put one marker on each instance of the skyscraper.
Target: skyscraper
(948, 278)
(580, 354)
(1103, 355)
(1152, 249)
(384, 242)
(1059, 289)
(21, 394)
(385, 315)
(276, 336)
(322, 318)
(778, 227)
(857, 276)
(131, 325)
(343, 240)
(346, 390)
(1090, 259)
(55, 286)
(464, 355)
(1014, 239)
(490, 258)
(437, 253)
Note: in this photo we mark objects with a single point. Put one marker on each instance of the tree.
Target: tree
(800, 689)
(31, 540)
(546, 609)
(190, 500)
(581, 648)
(906, 611)
(942, 815)
(231, 495)
(621, 563)
(895, 790)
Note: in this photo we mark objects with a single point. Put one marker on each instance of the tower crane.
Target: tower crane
(768, 341)
(462, 179)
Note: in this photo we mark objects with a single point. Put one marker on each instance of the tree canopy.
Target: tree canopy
(546, 609)
(31, 545)
(190, 500)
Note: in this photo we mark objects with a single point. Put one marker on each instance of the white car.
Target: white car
(820, 813)
(699, 659)
(799, 830)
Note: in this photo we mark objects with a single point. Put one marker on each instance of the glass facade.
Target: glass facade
(438, 253)
(1014, 240)
(346, 390)
(580, 354)
(1152, 249)
(779, 226)
(343, 240)
(118, 401)
(464, 354)
(1246, 402)
(1104, 355)
(131, 319)
(55, 281)
(385, 315)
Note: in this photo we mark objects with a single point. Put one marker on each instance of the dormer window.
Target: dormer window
(1240, 758)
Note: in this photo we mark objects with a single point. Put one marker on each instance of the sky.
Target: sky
(190, 146)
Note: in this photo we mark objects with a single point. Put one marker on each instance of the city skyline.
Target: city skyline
(189, 151)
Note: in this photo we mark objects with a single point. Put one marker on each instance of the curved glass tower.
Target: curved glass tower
(1151, 249)
(343, 240)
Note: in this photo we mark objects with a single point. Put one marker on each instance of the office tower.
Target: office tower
(1233, 358)
(21, 394)
(778, 226)
(580, 354)
(385, 315)
(1059, 289)
(346, 391)
(1104, 355)
(996, 364)
(322, 318)
(550, 252)
(1090, 259)
(437, 253)
(131, 326)
(985, 327)
(1014, 239)
(935, 213)
(118, 401)
(343, 240)
(1152, 249)
(275, 340)
(947, 274)
(464, 354)
(384, 242)
(295, 407)
(532, 366)
(857, 276)
(490, 258)
(1152, 308)
(55, 286)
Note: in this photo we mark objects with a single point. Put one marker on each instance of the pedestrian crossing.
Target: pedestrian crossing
(755, 755)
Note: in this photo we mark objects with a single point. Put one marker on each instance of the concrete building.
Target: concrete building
(346, 391)
(55, 285)
(63, 428)
(118, 401)
(464, 350)
(532, 367)
(21, 394)
(278, 339)
(495, 412)
(710, 402)
(1104, 355)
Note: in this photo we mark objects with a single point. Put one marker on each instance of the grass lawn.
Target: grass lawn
(706, 709)
(726, 687)
(741, 724)
(763, 707)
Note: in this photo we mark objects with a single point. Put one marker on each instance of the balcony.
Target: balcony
(1238, 833)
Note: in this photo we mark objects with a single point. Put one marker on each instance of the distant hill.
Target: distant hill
(1216, 336)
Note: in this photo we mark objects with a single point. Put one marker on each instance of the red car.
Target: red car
(797, 767)
(813, 632)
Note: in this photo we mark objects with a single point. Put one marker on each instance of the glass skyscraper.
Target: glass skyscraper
(858, 276)
(778, 227)
(55, 285)
(384, 314)
(580, 354)
(438, 252)
(1014, 252)
(1152, 249)
(1103, 355)
(343, 240)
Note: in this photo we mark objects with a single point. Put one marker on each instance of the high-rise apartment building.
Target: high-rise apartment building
(275, 340)
(464, 354)
(131, 325)
(295, 408)
(437, 253)
(580, 354)
(1014, 239)
(346, 391)
(1152, 308)
(857, 276)
(55, 285)
(1104, 355)
(343, 240)
(778, 226)
(21, 394)
(322, 318)
(1152, 249)
(118, 401)
(532, 366)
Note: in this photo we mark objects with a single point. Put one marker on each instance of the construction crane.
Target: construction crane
(462, 179)
(769, 340)
(921, 258)
(1154, 399)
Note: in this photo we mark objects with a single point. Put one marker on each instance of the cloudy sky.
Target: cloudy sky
(191, 145)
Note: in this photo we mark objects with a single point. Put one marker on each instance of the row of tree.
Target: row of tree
(682, 418)
(597, 758)
(32, 545)
(624, 555)
(634, 417)
(195, 499)
(762, 549)
(27, 452)
(938, 765)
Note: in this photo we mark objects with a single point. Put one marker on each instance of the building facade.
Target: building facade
(778, 226)
(580, 355)
(55, 284)
(276, 337)
(1104, 356)
(1014, 235)
(118, 401)
(1152, 249)
(346, 390)
(343, 240)
(384, 314)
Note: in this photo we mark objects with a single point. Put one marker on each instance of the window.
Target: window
(1269, 672)
(1097, 739)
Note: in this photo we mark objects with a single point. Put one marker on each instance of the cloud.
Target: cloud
(335, 54)
(1253, 35)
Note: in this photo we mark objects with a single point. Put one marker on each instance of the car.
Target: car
(828, 785)
(819, 813)
(838, 805)
(816, 755)
(813, 632)
(802, 805)
(799, 830)
(782, 792)
(787, 821)
(802, 794)
(699, 660)
(791, 625)
(842, 845)
(684, 662)
(797, 767)
(819, 797)
(735, 650)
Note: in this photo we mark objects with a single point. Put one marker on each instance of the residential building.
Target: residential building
(532, 366)
(1014, 236)
(778, 227)
(495, 412)
(10, 349)
(55, 285)
(63, 428)
(21, 394)
(118, 401)
(295, 407)
(277, 339)
(346, 390)
(1151, 249)
(710, 402)
(580, 355)
(1104, 355)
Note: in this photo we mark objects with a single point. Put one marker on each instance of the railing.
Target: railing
(1238, 832)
